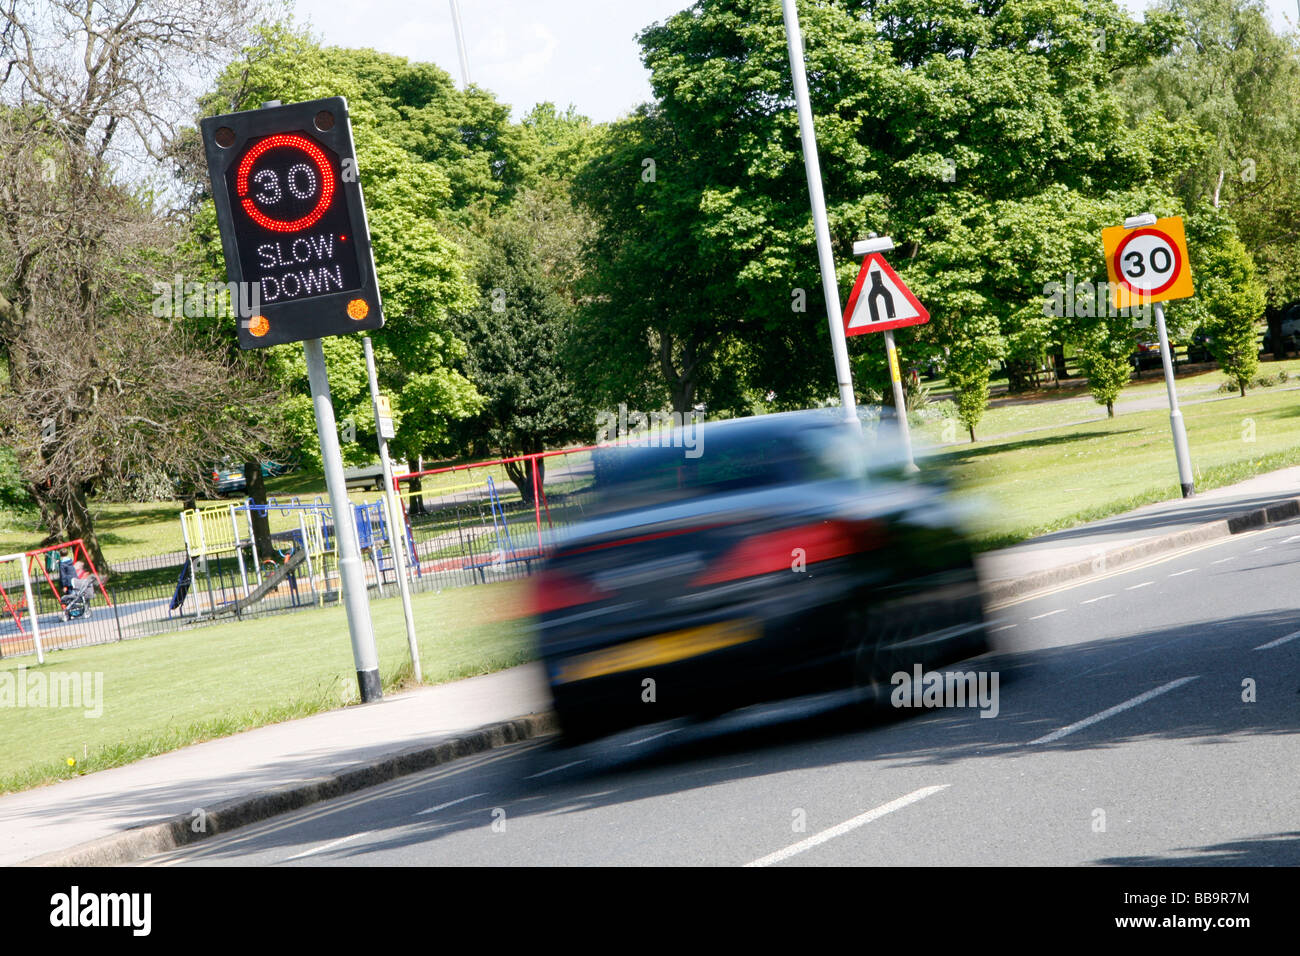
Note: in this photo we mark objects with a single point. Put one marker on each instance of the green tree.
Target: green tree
(515, 336)
(1237, 80)
(1105, 354)
(951, 130)
(968, 373)
(1230, 299)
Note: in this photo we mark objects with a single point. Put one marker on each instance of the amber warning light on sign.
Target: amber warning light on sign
(292, 220)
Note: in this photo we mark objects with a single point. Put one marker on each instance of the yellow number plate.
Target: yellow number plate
(659, 649)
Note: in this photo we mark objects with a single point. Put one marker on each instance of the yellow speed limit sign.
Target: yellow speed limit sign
(1148, 264)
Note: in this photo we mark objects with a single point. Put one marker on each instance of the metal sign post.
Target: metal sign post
(293, 227)
(396, 525)
(1147, 262)
(352, 574)
(808, 137)
(1181, 454)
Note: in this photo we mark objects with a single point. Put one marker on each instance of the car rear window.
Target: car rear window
(634, 477)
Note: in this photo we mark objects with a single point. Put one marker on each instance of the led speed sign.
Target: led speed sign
(292, 221)
(1148, 264)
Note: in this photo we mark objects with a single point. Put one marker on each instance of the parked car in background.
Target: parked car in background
(228, 479)
(1198, 348)
(1290, 330)
(1147, 356)
(788, 557)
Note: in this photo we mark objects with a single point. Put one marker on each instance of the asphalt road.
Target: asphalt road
(1121, 737)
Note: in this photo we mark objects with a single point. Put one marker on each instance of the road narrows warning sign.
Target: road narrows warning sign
(880, 300)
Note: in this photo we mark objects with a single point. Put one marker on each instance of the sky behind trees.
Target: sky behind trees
(579, 52)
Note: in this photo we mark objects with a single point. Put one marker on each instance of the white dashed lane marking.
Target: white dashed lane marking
(451, 803)
(322, 849)
(1112, 711)
(847, 826)
(1280, 641)
(563, 766)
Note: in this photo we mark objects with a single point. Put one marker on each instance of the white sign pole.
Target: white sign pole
(1181, 454)
(396, 521)
(808, 136)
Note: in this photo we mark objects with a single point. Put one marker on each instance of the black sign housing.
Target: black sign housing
(292, 219)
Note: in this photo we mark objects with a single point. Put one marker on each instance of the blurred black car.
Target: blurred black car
(790, 556)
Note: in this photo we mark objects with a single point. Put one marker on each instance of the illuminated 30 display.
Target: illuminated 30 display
(292, 220)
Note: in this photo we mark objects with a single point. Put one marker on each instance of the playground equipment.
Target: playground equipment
(215, 534)
(211, 534)
(59, 560)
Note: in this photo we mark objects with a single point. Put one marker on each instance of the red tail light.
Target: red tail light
(554, 591)
(788, 548)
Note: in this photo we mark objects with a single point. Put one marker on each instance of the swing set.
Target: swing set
(55, 562)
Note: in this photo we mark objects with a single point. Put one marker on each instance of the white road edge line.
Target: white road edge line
(1059, 610)
(451, 803)
(563, 766)
(322, 848)
(1112, 711)
(848, 825)
(646, 740)
(1278, 642)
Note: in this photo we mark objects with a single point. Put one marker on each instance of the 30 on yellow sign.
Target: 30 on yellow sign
(1148, 264)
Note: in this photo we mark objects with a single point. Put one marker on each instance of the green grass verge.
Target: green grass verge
(1057, 478)
(162, 693)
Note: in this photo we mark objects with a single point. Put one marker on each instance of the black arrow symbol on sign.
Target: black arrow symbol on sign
(879, 289)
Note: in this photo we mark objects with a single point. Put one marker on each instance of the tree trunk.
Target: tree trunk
(67, 520)
(1110, 409)
(256, 486)
(417, 498)
(681, 383)
(525, 479)
(1242, 386)
(972, 432)
(1058, 361)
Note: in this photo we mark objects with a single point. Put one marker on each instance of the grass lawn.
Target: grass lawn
(1073, 403)
(161, 693)
(1056, 478)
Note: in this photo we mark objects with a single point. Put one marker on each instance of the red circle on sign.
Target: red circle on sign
(317, 157)
(1173, 250)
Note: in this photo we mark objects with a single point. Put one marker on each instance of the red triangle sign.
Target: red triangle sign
(881, 300)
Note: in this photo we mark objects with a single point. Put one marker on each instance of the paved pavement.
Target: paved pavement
(49, 820)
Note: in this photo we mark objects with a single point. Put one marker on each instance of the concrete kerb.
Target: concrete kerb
(177, 831)
(1000, 592)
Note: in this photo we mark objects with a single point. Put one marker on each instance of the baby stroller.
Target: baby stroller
(76, 603)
